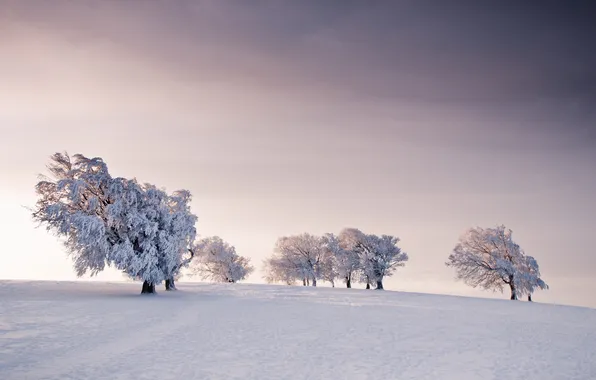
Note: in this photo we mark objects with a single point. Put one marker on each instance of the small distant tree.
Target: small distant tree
(305, 252)
(279, 269)
(382, 257)
(528, 278)
(218, 261)
(490, 259)
(344, 260)
(299, 257)
(379, 256)
(329, 264)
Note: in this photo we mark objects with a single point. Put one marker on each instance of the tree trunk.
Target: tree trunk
(170, 285)
(348, 282)
(368, 285)
(307, 281)
(379, 284)
(513, 291)
(304, 281)
(529, 298)
(314, 281)
(148, 288)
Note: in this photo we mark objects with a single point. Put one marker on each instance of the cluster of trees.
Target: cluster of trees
(489, 258)
(350, 256)
(134, 227)
(150, 235)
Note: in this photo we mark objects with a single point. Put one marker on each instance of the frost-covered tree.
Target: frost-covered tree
(528, 277)
(329, 265)
(286, 269)
(216, 260)
(490, 259)
(345, 262)
(351, 242)
(387, 257)
(299, 257)
(164, 240)
(281, 269)
(136, 228)
(73, 201)
(179, 222)
(379, 256)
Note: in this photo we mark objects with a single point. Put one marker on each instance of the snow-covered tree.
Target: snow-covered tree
(488, 258)
(386, 257)
(299, 257)
(216, 260)
(73, 202)
(528, 277)
(136, 228)
(164, 239)
(281, 269)
(345, 262)
(351, 255)
(180, 223)
(379, 256)
(329, 265)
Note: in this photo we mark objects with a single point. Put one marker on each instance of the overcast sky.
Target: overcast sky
(417, 119)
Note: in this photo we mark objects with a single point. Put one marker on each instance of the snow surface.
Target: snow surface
(89, 330)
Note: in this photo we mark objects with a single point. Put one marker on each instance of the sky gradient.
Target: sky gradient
(417, 119)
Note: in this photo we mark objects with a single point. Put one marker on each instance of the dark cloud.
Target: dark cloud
(459, 50)
(497, 56)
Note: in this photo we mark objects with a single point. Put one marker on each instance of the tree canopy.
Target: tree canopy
(105, 221)
(490, 259)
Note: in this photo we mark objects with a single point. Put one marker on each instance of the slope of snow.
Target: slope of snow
(95, 331)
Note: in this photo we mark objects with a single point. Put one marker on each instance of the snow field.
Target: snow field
(86, 330)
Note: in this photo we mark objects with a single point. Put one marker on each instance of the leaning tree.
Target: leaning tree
(117, 222)
(489, 258)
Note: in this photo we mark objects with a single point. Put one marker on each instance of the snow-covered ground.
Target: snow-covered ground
(79, 330)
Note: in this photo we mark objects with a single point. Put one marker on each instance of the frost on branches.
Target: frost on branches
(298, 257)
(281, 269)
(118, 222)
(528, 278)
(351, 255)
(216, 260)
(344, 262)
(379, 256)
(490, 259)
